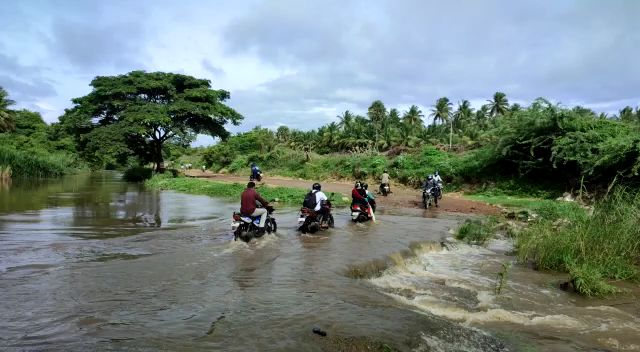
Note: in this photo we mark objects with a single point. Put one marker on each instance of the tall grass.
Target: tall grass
(592, 249)
(24, 164)
(230, 190)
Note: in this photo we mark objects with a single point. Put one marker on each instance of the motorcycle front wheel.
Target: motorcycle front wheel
(270, 226)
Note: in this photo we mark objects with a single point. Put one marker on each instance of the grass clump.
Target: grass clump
(592, 249)
(475, 231)
(229, 190)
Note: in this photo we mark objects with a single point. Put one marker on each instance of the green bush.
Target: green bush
(137, 174)
(36, 165)
(475, 232)
(605, 245)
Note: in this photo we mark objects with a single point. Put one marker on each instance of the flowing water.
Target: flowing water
(89, 262)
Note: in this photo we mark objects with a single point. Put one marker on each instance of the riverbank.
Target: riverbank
(402, 196)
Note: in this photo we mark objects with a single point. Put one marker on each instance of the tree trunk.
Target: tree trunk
(157, 150)
(450, 133)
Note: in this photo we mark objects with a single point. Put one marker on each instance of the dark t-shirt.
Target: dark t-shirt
(248, 201)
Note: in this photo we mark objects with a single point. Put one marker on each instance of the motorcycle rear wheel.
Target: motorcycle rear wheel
(330, 221)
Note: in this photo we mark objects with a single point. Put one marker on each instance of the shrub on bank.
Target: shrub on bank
(24, 164)
(137, 174)
(592, 249)
(475, 231)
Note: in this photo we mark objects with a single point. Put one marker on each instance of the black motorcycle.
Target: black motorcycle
(430, 196)
(246, 227)
(310, 221)
(384, 189)
(257, 177)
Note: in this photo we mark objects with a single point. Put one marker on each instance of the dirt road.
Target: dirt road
(402, 197)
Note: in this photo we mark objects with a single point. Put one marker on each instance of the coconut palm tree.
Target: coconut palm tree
(463, 115)
(413, 117)
(7, 122)
(442, 111)
(345, 120)
(499, 104)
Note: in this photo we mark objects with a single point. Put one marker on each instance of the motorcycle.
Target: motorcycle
(430, 196)
(384, 189)
(257, 177)
(310, 221)
(246, 227)
(360, 213)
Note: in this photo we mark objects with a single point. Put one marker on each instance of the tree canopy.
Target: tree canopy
(136, 114)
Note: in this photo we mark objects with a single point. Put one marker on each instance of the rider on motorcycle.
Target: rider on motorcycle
(370, 198)
(357, 196)
(384, 181)
(430, 184)
(438, 179)
(248, 207)
(319, 198)
(255, 170)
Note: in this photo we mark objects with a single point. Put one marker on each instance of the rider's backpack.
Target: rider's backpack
(309, 200)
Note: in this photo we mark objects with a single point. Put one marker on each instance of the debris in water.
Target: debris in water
(316, 330)
(213, 325)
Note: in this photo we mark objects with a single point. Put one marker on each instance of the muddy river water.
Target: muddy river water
(89, 262)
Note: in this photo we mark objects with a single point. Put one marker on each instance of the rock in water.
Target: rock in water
(318, 331)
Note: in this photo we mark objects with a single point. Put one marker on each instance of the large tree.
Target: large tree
(377, 114)
(6, 115)
(141, 111)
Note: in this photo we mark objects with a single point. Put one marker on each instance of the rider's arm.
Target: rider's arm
(261, 200)
(356, 194)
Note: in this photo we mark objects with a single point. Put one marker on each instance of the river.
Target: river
(89, 262)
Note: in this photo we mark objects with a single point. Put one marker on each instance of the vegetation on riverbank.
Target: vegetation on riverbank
(592, 249)
(25, 164)
(286, 195)
(31, 148)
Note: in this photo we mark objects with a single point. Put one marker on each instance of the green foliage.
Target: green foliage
(137, 174)
(141, 112)
(605, 245)
(26, 164)
(475, 231)
(7, 123)
(229, 190)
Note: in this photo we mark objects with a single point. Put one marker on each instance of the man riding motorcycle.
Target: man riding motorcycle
(431, 186)
(438, 179)
(255, 172)
(318, 198)
(384, 182)
(248, 206)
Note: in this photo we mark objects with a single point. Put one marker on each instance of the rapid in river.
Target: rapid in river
(90, 262)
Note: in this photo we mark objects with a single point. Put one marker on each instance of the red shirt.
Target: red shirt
(356, 195)
(248, 201)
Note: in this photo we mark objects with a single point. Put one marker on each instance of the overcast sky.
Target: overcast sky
(300, 63)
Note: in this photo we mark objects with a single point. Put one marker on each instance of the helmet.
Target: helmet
(316, 186)
(385, 171)
(365, 186)
(430, 177)
(358, 185)
(436, 173)
(253, 164)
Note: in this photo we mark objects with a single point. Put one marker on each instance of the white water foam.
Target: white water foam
(459, 285)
